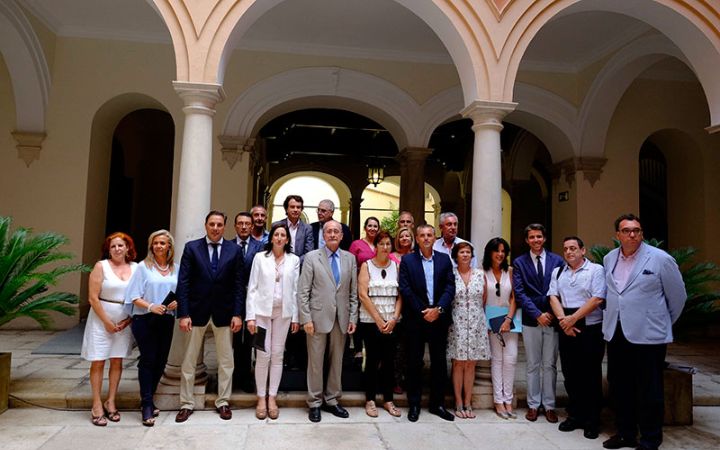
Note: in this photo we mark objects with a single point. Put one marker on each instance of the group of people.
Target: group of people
(311, 282)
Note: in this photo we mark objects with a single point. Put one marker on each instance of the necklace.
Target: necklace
(162, 269)
(278, 263)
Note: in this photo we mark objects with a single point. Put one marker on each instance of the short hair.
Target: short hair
(580, 242)
(297, 198)
(422, 226)
(256, 207)
(150, 258)
(397, 237)
(369, 219)
(536, 227)
(329, 203)
(406, 213)
(444, 216)
(242, 214)
(129, 243)
(332, 221)
(629, 216)
(459, 246)
(269, 245)
(382, 234)
(493, 245)
(215, 212)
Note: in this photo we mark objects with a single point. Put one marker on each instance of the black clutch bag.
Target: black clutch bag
(169, 298)
(258, 341)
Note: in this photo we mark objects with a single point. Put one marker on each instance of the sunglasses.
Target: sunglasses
(500, 338)
(497, 289)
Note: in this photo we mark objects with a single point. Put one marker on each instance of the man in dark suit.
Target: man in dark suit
(427, 285)
(301, 237)
(210, 292)
(325, 211)
(531, 280)
(242, 342)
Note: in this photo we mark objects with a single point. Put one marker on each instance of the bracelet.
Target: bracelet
(508, 318)
(150, 307)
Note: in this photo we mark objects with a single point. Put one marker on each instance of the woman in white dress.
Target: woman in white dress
(107, 335)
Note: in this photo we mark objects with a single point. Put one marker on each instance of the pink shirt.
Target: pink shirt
(362, 251)
(623, 268)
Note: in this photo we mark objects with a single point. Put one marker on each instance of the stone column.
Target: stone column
(412, 181)
(194, 187)
(486, 208)
(355, 225)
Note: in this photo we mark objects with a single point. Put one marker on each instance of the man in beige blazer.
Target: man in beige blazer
(328, 309)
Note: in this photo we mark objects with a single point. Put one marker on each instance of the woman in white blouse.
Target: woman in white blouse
(272, 304)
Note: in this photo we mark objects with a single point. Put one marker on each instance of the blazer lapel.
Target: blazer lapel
(326, 264)
(420, 271)
(640, 262)
(224, 255)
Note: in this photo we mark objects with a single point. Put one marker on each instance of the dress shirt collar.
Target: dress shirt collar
(209, 242)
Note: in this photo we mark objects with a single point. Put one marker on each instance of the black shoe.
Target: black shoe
(336, 410)
(414, 413)
(569, 424)
(442, 413)
(591, 433)
(646, 447)
(618, 441)
(314, 414)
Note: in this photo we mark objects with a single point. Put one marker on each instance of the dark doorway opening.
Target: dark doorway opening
(653, 193)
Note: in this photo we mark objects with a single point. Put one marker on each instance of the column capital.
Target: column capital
(487, 114)
(233, 148)
(414, 154)
(199, 98)
(28, 145)
(591, 167)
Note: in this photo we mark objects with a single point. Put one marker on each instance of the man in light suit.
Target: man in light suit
(645, 296)
(328, 310)
(210, 292)
(531, 280)
(242, 341)
(427, 285)
(325, 211)
(301, 236)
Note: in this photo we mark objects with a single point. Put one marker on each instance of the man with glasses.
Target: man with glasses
(645, 296)
(325, 211)
(577, 289)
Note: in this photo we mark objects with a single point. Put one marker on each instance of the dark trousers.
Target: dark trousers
(635, 377)
(153, 334)
(581, 359)
(379, 361)
(242, 355)
(418, 332)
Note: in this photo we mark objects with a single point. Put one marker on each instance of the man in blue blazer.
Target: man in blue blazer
(531, 281)
(645, 296)
(427, 285)
(242, 341)
(325, 211)
(210, 292)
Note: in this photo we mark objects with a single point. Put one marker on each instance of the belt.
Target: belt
(119, 302)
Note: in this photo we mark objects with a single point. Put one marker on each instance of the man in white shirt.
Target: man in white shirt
(448, 237)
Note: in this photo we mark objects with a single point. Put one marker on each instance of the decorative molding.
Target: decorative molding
(590, 167)
(233, 148)
(487, 114)
(498, 7)
(29, 145)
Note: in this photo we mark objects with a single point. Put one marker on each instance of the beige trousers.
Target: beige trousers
(316, 354)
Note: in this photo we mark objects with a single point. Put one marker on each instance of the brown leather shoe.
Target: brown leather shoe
(225, 412)
(551, 416)
(183, 415)
(532, 414)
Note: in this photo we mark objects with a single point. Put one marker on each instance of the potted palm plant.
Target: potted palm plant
(24, 281)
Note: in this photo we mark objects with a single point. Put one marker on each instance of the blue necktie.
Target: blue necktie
(214, 259)
(335, 268)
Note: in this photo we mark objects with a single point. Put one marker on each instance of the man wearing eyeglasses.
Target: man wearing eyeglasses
(645, 296)
(577, 289)
(325, 211)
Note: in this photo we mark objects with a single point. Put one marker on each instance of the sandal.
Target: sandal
(156, 411)
(113, 416)
(460, 412)
(469, 414)
(99, 421)
(371, 409)
(273, 413)
(261, 413)
(391, 409)
(148, 419)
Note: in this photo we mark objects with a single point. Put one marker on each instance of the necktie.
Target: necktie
(214, 259)
(541, 274)
(335, 268)
(243, 245)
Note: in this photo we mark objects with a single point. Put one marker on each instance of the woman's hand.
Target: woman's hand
(172, 306)
(505, 327)
(124, 323)
(111, 327)
(158, 309)
(294, 327)
(389, 326)
(251, 326)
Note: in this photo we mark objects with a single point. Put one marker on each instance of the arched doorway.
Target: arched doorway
(383, 199)
(653, 193)
(312, 187)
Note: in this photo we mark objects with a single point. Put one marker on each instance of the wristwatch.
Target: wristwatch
(441, 310)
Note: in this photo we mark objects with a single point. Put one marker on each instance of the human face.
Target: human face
(279, 239)
(293, 210)
(118, 250)
(535, 239)
(243, 226)
(160, 246)
(406, 221)
(498, 256)
(425, 239)
(215, 227)
(630, 236)
(324, 213)
(332, 233)
(371, 229)
(405, 239)
(574, 255)
(464, 257)
(448, 229)
(259, 217)
(384, 246)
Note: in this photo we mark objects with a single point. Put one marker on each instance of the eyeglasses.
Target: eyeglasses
(497, 289)
(629, 231)
(500, 338)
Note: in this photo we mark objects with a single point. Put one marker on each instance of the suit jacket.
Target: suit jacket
(414, 289)
(203, 294)
(530, 295)
(303, 238)
(320, 300)
(344, 243)
(650, 302)
(261, 286)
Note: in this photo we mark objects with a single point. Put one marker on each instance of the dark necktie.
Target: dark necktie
(541, 274)
(243, 245)
(335, 268)
(214, 259)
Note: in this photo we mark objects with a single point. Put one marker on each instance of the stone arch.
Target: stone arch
(691, 25)
(27, 66)
(441, 108)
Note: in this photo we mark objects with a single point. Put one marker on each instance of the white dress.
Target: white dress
(98, 344)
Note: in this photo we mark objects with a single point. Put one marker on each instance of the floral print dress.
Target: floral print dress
(468, 335)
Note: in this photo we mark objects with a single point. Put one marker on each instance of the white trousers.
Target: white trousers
(502, 366)
(271, 360)
(541, 352)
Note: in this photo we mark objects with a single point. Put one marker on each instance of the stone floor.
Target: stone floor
(50, 396)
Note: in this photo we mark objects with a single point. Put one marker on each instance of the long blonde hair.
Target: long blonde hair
(150, 258)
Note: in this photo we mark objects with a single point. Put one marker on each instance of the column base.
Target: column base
(167, 397)
(482, 395)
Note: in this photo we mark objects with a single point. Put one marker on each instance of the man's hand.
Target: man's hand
(309, 328)
(294, 327)
(251, 326)
(186, 324)
(431, 314)
(236, 324)
(351, 328)
(544, 320)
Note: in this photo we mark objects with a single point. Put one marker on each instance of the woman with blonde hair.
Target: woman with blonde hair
(150, 300)
(404, 244)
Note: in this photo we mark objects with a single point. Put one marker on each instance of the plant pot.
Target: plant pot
(4, 380)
